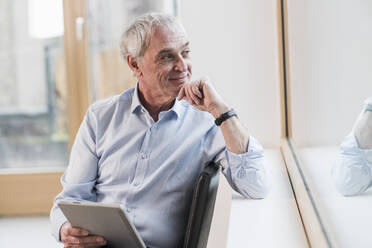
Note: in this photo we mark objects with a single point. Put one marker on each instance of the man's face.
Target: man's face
(166, 65)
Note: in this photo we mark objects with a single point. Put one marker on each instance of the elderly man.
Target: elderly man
(145, 148)
(352, 171)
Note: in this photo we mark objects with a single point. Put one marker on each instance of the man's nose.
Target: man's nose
(181, 64)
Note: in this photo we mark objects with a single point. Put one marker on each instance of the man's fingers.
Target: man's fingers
(74, 231)
(181, 94)
(191, 95)
(93, 245)
(188, 95)
(84, 241)
(195, 89)
(83, 246)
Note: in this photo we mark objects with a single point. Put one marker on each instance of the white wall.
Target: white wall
(330, 62)
(235, 43)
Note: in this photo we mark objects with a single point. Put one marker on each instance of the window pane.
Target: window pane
(33, 118)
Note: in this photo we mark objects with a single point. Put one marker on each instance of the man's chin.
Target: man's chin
(176, 89)
(177, 85)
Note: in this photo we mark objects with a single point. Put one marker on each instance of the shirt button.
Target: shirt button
(143, 156)
(142, 110)
(129, 209)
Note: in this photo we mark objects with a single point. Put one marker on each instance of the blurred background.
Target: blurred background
(293, 70)
(59, 56)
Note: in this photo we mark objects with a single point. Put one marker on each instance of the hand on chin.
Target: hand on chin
(202, 95)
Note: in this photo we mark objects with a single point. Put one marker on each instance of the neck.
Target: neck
(154, 103)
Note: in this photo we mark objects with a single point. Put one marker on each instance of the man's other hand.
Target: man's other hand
(202, 95)
(73, 237)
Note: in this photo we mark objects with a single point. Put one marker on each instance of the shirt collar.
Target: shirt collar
(136, 104)
(177, 108)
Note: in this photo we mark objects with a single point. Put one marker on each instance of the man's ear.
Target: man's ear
(133, 65)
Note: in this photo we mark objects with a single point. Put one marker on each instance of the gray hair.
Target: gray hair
(136, 37)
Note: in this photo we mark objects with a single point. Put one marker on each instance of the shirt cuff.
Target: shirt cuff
(247, 171)
(57, 219)
(351, 170)
(350, 146)
(249, 159)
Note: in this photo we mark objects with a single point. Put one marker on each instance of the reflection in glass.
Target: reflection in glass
(352, 171)
(33, 122)
(329, 61)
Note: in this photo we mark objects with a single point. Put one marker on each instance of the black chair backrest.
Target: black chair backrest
(202, 207)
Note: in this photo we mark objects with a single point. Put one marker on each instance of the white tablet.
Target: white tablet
(107, 220)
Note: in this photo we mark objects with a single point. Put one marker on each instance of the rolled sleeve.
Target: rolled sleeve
(57, 219)
(351, 171)
(79, 179)
(73, 192)
(245, 172)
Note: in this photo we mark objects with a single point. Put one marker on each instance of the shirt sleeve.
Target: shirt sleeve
(245, 172)
(351, 171)
(79, 179)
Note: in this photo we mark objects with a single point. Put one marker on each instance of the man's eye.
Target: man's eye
(167, 57)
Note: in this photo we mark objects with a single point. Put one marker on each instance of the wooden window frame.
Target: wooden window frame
(317, 231)
(31, 191)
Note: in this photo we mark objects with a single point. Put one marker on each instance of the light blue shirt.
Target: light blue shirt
(122, 156)
(352, 170)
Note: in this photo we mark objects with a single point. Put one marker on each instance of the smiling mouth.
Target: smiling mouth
(179, 78)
